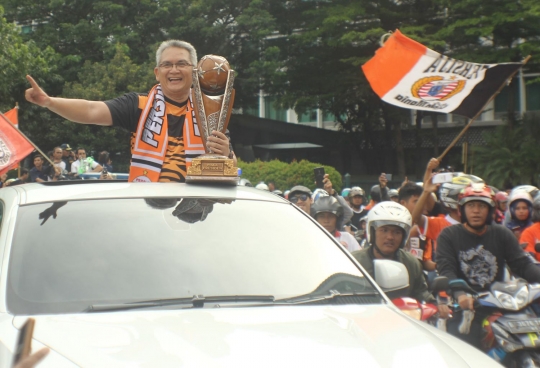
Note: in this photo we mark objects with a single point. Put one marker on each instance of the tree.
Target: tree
(88, 30)
(86, 34)
(321, 48)
(16, 59)
(511, 156)
(287, 175)
(492, 32)
(97, 81)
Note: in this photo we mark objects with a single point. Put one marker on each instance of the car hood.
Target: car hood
(350, 335)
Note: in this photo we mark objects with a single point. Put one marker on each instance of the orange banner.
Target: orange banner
(14, 147)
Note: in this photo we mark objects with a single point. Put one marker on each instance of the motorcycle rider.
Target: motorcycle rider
(418, 245)
(478, 252)
(304, 198)
(394, 195)
(432, 226)
(357, 199)
(378, 192)
(328, 212)
(388, 227)
(520, 205)
(531, 235)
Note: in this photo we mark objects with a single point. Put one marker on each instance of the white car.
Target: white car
(176, 275)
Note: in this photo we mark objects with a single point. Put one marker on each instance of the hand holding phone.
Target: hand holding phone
(319, 176)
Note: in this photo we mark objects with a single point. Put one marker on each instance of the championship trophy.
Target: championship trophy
(213, 97)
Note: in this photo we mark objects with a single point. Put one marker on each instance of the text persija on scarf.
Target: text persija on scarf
(151, 138)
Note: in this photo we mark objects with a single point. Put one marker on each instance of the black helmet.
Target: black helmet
(375, 193)
(328, 204)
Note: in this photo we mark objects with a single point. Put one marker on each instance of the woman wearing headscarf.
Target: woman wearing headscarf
(520, 207)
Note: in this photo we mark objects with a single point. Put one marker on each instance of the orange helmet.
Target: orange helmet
(477, 192)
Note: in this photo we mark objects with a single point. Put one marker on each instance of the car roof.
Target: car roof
(62, 191)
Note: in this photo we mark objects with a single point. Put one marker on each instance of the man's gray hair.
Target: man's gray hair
(180, 44)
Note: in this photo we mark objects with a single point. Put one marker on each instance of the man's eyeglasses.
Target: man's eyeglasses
(295, 198)
(182, 64)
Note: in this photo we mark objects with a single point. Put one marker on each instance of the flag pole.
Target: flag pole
(452, 144)
(32, 143)
(18, 127)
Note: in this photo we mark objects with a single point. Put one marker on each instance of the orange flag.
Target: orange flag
(14, 147)
(13, 115)
(407, 74)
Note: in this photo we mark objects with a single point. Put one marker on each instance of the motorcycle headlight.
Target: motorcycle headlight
(522, 297)
(506, 300)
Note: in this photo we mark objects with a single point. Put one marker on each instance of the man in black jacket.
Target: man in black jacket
(478, 252)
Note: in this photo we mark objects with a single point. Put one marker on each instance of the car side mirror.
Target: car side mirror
(390, 275)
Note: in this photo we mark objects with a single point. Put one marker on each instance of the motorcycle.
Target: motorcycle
(426, 312)
(512, 328)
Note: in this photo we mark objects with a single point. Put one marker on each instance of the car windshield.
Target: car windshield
(67, 256)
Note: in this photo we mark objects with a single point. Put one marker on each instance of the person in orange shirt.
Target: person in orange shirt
(531, 235)
(433, 226)
(417, 245)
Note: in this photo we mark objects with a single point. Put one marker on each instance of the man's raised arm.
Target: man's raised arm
(426, 197)
(79, 111)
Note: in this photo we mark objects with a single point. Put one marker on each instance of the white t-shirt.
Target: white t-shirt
(348, 239)
(61, 165)
(76, 164)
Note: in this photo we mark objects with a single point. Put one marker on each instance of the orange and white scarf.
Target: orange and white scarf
(151, 138)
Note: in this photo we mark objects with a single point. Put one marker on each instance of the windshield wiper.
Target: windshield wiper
(197, 301)
(334, 294)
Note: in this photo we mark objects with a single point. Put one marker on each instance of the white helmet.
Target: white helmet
(530, 189)
(388, 213)
(262, 186)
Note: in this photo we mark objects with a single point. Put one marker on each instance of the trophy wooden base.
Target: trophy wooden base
(212, 169)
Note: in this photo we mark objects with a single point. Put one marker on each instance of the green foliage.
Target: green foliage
(96, 81)
(17, 58)
(306, 53)
(106, 49)
(285, 175)
(511, 156)
(109, 79)
(491, 31)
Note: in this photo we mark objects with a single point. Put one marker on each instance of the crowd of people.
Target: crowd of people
(461, 229)
(63, 163)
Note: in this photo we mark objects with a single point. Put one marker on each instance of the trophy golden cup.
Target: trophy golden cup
(213, 97)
